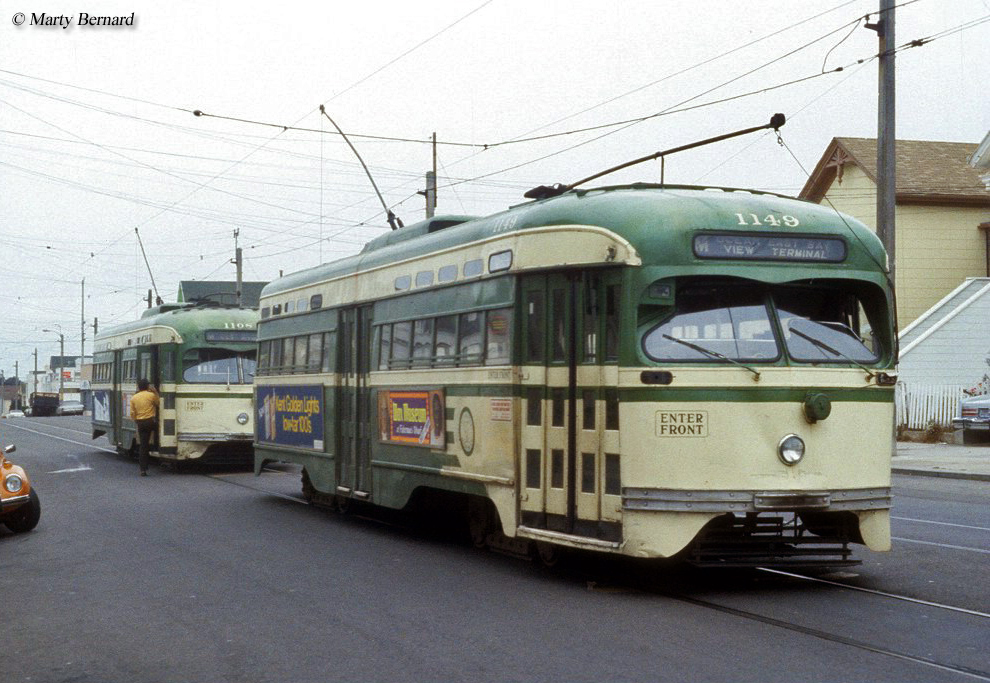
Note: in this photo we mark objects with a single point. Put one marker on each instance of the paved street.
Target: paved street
(217, 575)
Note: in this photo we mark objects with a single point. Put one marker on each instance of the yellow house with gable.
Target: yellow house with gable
(942, 215)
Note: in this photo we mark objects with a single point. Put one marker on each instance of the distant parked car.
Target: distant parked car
(974, 419)
(70, 408)
(15, 413)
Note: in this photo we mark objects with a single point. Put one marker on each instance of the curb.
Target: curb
(941, 474)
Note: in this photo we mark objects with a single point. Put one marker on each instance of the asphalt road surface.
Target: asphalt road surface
(218, 575)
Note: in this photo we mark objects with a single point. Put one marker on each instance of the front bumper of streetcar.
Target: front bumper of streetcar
(680, 500)
(761, 528)
(214, 437)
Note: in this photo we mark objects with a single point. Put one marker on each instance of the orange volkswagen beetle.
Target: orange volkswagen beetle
(20, 507)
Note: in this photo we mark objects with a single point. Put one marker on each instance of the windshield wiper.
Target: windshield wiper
(713, 354)
(825, 347)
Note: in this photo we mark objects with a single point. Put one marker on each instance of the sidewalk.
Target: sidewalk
(942, 460)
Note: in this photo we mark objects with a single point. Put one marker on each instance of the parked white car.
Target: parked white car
(974, 419)
(70, 408)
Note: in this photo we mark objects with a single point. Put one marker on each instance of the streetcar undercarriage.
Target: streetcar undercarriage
(774, 539)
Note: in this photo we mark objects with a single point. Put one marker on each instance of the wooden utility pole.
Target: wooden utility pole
(82, 343)
(886, 132)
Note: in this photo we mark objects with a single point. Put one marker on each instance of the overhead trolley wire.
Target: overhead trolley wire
(632, 122)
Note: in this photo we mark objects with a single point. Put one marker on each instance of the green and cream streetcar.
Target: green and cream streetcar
(201, 359)
(644, 370)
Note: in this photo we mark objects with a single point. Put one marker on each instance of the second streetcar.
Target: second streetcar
(201, 360)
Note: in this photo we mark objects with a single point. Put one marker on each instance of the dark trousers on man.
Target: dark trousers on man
(145, 430)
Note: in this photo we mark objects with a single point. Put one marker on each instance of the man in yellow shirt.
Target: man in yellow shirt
(144, 409)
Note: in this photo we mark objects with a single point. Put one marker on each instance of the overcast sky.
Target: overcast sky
(98, 138)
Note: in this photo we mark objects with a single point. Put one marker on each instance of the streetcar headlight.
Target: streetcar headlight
(13, 483)
(242, 419)
(791, 449)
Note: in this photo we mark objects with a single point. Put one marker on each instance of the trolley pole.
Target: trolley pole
(886, 133)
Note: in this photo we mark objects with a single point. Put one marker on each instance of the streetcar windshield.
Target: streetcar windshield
(822, 325)
(218, 366)
(715, 321)
(733, 321)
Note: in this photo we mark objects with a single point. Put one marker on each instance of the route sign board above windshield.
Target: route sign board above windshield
(755, 247)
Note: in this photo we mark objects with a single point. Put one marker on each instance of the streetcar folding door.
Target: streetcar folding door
(569, 447)
(354, 404)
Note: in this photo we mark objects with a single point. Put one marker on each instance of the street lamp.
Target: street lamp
(61, 361)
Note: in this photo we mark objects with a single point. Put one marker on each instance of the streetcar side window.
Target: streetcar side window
(168, 365)
(500, 261)
(558, 327)
(470, 333)
(612, 294)
(590, 323)
(302, 354)
(384, 346)
(288, 354)
(474, 268)
(474, 338)
(263, 350)
(315, 352)
(424, 278)
(499, 336)
(401, 344)
(329, 345)
(276, 357)
(534, 326)
(447, 273)
(422, 342)
(446, 340)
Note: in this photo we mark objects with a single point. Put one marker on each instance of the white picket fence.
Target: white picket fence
(918, 405)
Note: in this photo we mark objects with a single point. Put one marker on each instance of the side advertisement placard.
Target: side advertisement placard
(290, 416)
(412, 418)
(101, 406)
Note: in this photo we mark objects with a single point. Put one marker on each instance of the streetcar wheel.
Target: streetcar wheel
(548, 554)
(308, 491)
(342, 504)
(26, 516)
(479, 522)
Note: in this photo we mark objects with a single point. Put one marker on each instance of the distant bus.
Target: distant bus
(201, 359)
